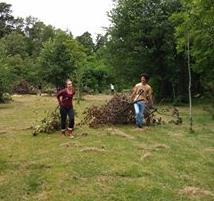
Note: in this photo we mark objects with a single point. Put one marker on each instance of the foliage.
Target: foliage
(16, 56)
(96, 75)
(6, 98)
(6, 19)
(196, 18)
(5, 77)
(49, 124)
(142, 40)
(4, 82)
(86, 40)
(15, 44)
(37, 33)
(59, 58)
(145, 36)
(101, 41)
(93, 75)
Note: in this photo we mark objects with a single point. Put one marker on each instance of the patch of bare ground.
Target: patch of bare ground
(175, 134)
(103, 179)
(146, 155)
(70, 144)
(120, 133)
(3, 179)
(155, 147)
(67, 144)
(2, 132)
(209, 149)
(92, 149)
(160, 146)
(42, 196)
(194, 192)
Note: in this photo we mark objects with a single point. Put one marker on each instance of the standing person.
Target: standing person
(112, 88)
(39, 90)
(141, 94)
(65, 98)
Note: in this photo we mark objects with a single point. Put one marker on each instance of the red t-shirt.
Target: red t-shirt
(65, 98)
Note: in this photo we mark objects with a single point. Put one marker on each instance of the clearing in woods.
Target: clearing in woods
(162, 163)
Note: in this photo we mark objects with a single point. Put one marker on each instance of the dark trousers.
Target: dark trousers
(64, 112)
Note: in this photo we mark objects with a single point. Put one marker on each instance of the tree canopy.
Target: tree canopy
(144, 36)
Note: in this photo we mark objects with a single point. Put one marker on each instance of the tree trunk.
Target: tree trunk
(190, 82)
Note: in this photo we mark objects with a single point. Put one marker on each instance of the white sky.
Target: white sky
(77, 16)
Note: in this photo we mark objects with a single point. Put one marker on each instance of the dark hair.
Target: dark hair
(146, 76)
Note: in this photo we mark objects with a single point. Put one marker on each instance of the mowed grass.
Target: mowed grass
(121, 163)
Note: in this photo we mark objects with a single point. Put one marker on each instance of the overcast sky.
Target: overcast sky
(77, 16)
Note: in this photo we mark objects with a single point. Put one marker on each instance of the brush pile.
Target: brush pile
(48, 124)
(118, 110)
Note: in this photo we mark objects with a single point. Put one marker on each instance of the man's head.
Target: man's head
(144, 78)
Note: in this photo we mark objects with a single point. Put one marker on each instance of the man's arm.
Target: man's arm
(150, 97)
(133, 94)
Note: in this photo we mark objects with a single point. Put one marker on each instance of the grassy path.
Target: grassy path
(164, 163)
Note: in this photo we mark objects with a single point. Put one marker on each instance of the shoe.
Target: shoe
(69, 133)
(63, 132)
(71, 136)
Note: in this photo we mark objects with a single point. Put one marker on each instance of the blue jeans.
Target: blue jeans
(139, 110)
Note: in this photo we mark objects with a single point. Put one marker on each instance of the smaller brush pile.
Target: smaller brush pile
(118, 110)
(48, 124)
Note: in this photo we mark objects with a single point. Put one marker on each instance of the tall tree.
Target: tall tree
(59, 58)
(37, 33)
(5, 75)
(15, 55)
(86, 40)
(101, 41)
(15, 43)
(142, 39)
(197, 17)
(6, 19)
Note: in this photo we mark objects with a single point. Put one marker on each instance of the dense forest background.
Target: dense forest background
(144, 36)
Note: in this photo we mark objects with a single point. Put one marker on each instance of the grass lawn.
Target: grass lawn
(162, 163)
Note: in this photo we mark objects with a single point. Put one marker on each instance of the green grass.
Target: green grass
(55, 168)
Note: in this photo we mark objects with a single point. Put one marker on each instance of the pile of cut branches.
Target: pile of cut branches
(116, 111)
(119, 110)
(49, 124)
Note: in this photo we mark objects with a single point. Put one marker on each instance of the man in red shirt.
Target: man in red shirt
(65, 98)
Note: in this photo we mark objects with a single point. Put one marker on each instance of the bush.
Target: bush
(23, 87)
(5, 98)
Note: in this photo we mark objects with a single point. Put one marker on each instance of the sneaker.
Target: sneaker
(71, 136)
(63, 132)
(69, 133)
